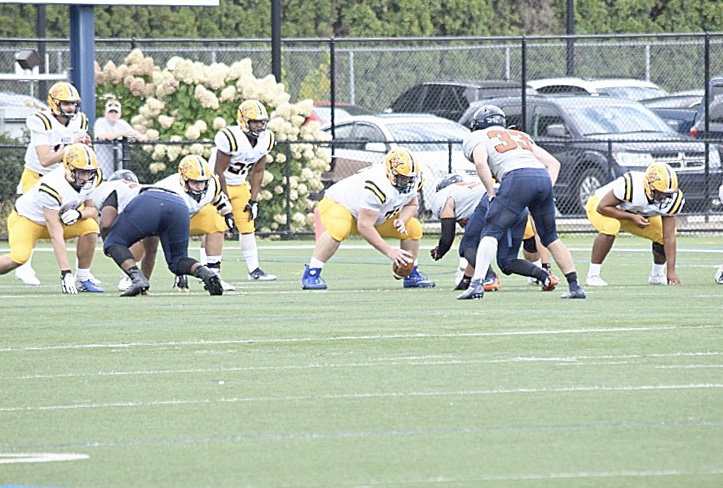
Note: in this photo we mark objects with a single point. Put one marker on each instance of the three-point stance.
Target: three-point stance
(526, 173)
(378, 202)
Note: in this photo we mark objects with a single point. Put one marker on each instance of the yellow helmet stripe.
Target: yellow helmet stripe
(670, 177)
(231, 139)
(370, 185)
(46, 189)
(628, 195)
(677, 204)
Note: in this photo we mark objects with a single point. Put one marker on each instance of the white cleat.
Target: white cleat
(227, 286)
(719, 275)
(595, 280)
(26, 274)
(657, 279)
(124, 283)
(458, 275)
(259, 275)
(93, 279)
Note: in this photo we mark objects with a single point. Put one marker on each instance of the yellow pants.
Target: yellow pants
(340, 223)
(240, 196)
(24, 233)
(612, 227)
(28, 179)
(207, 221)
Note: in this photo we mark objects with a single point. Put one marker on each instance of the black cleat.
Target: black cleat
(211, 280)
(138, 286)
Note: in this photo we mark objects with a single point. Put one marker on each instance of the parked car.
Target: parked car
(322, 112)
(450, 99)
(598, 139)
(361, 141)
(629, 88)
(14, 110)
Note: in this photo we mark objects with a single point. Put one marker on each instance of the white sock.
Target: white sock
(315, 263)
(82, 274)
(249, 250)
(27, 266)
(214, 260)
(659, 269)
(462, 263)
(538, 263)
(485, 254)
(204, 258)
(594, 269)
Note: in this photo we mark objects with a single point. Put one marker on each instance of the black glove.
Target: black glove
(253, 209)
(230, 221)
(436, 255)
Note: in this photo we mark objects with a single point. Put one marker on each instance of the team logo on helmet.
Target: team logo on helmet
(487, 116)
(660, 182)
(402, 169)
(193, 168)
(81, 166)
(63, 92)
(252, 111)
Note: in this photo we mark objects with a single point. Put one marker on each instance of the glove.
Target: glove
(436, 255)
(230, 221)
(252, 208)
(70, 216)
(223, 203)
(181, 283)
(67, 282)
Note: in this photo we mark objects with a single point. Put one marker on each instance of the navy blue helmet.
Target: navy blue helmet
(124, 174)
(487, 116)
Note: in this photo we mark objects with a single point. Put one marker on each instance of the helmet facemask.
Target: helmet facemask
(194, 169)
(81, 166)
(62, 94)
(252, 117)
(401, 169)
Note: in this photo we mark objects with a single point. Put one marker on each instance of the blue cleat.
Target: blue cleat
(417, 280)
(574, 293)
(475, 290)
(312, 279)
(88, 286)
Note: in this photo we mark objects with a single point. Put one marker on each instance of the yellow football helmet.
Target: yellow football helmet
(252, 110)
(81, 166)
(63, 92)
(194, 168)
(661, 182)
(402, 169)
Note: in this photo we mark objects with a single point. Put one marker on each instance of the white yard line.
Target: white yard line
(39, 457)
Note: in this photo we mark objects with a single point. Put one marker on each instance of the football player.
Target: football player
(208, 206)
(239, 160)
(644, 204)
(130, 214)
(526, 173)
(50, 132)
(378, 202)
(58, 207)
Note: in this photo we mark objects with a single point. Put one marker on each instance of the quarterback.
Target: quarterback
(59, 207)
(644, 204)
(377, 202)
(240, 154)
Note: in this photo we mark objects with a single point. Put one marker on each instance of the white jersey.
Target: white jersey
(125, 192)
(371, 189)
(173, 183)
(52, 191)
(630, 188)
(465, 198)
(45, 130)
(233, 141)
(507, 150)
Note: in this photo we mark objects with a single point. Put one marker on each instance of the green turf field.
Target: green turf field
(366, 384)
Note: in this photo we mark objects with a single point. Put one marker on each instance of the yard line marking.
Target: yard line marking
(373, 337)
(364, 396)
(382, 362)
(39, 457)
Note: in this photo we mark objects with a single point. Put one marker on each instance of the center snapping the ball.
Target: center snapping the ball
(402, 271)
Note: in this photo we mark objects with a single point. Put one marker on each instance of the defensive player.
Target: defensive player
(208, 206)
(644, 204)
(378, 202)
(50, 132)
(240, 154)
(131, 213)
(58, 207)
(526, 173)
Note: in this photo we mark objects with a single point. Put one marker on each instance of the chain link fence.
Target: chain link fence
(596, 134)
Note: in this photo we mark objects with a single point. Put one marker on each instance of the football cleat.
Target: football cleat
(532, 281)
(181, 283)
(458, 276)
(139, 285)
(417, 280)
(463, 283)
(211, 280)
(719, 275)
(88, 286)
(95, 280)
(226, 286)
(312, 279)
(124, 283)
(551, 281)
(574, 293)
(657, 279)
(491, 284)
(26, 274)
(595, 280)
(476, 291)
(259, 275)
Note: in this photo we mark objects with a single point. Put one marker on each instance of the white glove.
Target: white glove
(253, 209)
(67, 282)
(222, 203)
(70, 216)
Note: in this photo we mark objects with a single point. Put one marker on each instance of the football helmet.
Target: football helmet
(194, 168)
(252, 110)
(63, 92)
(402, 169)
(124, 174)
(81, 166)
(450, 179)
(660, 182)
(487, 116)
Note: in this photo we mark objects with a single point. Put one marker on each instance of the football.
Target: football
(402, 271)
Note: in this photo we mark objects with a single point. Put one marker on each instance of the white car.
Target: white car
(630, 88)
(364, 140)
(14, 109)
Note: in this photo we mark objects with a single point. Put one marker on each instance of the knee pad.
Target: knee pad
(119, 253)
(182, 266)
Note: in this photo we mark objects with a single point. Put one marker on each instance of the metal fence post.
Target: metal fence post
(288, 189)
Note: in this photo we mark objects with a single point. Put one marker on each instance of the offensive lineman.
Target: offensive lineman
(242, 149)
(526, 173)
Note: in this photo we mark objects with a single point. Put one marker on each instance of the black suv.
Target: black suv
(597, 139)
(450, 99)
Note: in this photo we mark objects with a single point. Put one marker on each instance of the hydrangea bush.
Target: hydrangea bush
(187, 102)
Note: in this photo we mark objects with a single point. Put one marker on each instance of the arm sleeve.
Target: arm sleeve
(447, 237)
